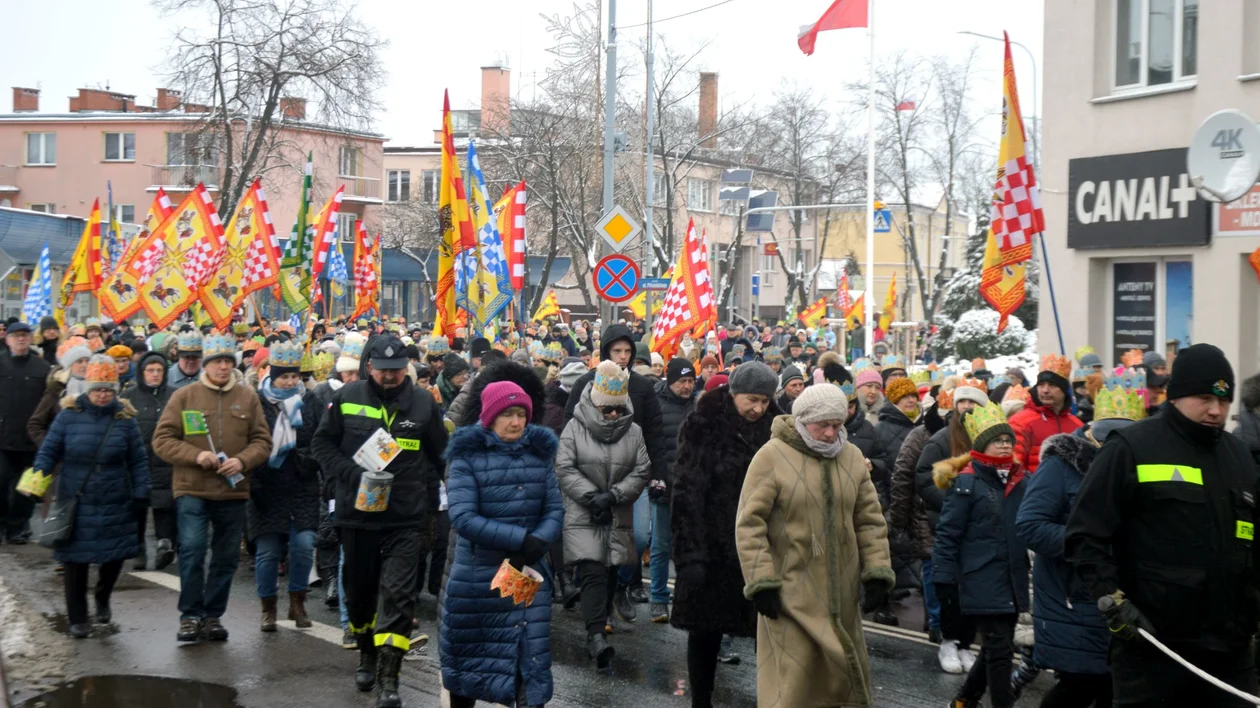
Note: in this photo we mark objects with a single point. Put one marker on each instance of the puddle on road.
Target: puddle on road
(130, 691)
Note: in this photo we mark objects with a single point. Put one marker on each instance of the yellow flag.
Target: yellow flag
(457, 230)
(813, 314)
(84, 272)
(549, 307)
(638, 304)
(856, 316)
(890, 304)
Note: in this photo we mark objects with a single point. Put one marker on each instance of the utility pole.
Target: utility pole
(649, 170)
(610, 107)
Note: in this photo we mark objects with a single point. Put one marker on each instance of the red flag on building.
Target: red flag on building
(842, 14)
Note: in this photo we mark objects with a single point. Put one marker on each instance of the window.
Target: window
(125, 213)
(1152, 306)
(660, 189)
(1156, 42)
(120, 147)
(346, 226)
(190, 149)
(349, 161)
(45, 208)
(769, 263)
(699, 195)
(399, 185)
(41, 148)
(430, 186)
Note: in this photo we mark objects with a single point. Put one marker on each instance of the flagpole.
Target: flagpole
(870, 179)
(1045, 262)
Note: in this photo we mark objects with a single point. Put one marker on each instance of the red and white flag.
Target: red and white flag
(842, 14)
(689, 300)
(510, 211)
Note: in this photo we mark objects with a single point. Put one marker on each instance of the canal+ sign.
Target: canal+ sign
(1138, 199)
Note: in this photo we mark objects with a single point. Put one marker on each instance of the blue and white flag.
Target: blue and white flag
(295, 321)
(337, 273)
(38, 302)
(483, 270)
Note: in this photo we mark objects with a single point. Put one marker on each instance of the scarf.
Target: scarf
(1006, 469)
(76, 385)
(827, 450)
(288, 420)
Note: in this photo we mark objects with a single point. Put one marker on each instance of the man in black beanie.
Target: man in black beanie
(1162, 536)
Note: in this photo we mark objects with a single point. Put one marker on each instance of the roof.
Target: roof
(23, 234)
(167, 116)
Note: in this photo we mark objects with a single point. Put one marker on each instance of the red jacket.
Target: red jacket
(1033, 425)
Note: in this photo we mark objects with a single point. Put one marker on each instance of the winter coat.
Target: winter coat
(1036, 423)
(1248, 429)
(312, 413)
(674, 410)
(553, 411)
(105, 521)
(935, 450)
(811, 528)
(149, 403)
(784, 402)
(288, 496)
(177, 379)
(498, 493)
(49, 405)
(237, 426)
(22, 379)
(1071, 633)
(598, 455)
(520, 374)
(861, 433)
(976, 545)
(892, 430)
(906, 511)
(715, 446)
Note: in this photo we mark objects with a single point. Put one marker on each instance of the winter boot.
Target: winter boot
(570, 591)
(103, 614)
(1025, 674)
(297, 610)
(388, 666)
(365, 674)
(268, 614)
(599, 649)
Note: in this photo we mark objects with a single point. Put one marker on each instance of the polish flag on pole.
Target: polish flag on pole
(841, 15)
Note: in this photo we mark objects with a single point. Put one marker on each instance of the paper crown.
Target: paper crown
(1123, 395)
(974, 383)
(1131, 358)
(847, 389)
(944, 400)
(322, 366)
(939, 375)
(1056, 364)
(981, 418)
(894, 361)
(553, 352)
(536, 349)
(1015, 393)
(861, 365)
(921, 377)
(352, 346)
(772, 355)
(437, 346)
(286, 355)
(240, 328)
(1082, 351)
(611, 385)
(189, 342)
(101, 369)
(218, 345)
(308, 362)
(1080, 374)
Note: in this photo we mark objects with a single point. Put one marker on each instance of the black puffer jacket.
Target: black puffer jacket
(22, 379)
(892, 430)
(936, 449)
(674, 410)
(861, 433)
(149, 402)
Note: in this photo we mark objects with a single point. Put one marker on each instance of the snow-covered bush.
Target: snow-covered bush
(975, 335)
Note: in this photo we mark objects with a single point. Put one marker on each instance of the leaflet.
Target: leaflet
(377, 452)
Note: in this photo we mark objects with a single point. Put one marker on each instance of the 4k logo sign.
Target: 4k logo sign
(1229, 143)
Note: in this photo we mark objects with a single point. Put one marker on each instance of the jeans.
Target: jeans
(661, 538)
(930, 604)
(271, 552)
(629, 575)
(341, 591)
(216, 526)
(992, 670)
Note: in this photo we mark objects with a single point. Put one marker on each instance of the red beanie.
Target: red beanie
(715, 381)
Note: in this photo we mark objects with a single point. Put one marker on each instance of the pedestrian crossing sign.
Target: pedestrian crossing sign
(883, 221)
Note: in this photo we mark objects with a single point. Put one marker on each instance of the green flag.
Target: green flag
(295, 264)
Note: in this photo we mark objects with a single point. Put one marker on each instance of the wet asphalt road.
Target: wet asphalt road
(293, 668)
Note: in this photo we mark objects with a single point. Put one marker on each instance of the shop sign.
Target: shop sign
(1133, 310)
(772, 248)
(1138, 199)
(1240, 217)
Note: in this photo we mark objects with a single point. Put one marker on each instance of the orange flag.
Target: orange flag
(366, 284)
(171, 263)
(457, 230)
(83, 275)
(251, 261)
(120, 293)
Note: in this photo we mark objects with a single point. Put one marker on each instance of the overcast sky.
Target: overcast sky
(436, 45)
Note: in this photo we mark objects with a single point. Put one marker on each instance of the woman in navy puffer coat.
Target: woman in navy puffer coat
(105, 522)
(504, 503)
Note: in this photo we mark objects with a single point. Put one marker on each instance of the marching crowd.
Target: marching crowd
(1061, 521)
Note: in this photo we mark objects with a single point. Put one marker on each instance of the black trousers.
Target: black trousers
(15, 508)
(702, 661)
(954, 624)
(598, 582)
(1079, 691)
(380, 582)
(992, 669)
(458, 701)
(327, 550)
(76, 584)
(1143, 676)
(434, 562)
(164, 526)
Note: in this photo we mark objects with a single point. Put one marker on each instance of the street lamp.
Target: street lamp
(1036, 107)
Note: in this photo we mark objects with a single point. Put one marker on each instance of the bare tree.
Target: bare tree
(241, 59)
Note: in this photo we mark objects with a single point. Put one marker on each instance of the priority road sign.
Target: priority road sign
(618, 228)
(883, 221)
(616, 278)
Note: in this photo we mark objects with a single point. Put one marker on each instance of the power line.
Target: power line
(667, 19)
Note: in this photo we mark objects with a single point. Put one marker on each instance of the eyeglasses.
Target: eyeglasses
(1005, 441)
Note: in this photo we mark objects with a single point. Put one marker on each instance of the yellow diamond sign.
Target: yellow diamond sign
(618, 228)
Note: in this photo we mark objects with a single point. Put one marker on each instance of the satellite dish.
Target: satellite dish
(1224, 157)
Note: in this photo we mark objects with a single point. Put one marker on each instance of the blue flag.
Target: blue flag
(38, 302)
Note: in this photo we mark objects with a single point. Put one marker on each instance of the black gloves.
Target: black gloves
(658, 491)
(600, 505)
(874, 593)
(768, 603)
(532, 551)
(139, 506)
(603, 500)
(1125, 619)
(692, 574)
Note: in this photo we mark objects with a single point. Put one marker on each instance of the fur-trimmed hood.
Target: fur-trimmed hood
(1075, 450)
(473, 439)
(945, 471)
(1250, 392)
(125, 409)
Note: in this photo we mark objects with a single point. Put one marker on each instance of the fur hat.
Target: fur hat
(898, 389)
(611, 386)
(500, 396)
(286, 358)
(102, 372)
(832, 367)
(820, 402)
(754, 378)
(217, 346)
(351, 353)
(72, 350)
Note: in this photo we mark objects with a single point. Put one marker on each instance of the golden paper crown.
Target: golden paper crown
(1123, 395)
(945, 400)
(308, 362)
(322, 366)
(1015, 393)
(921, 377)
(981, 418)
(1057, 364)
(1082, 351)
(1133, 357)
(975, 383)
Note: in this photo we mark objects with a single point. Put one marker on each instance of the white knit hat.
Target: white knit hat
(819, 402)
(969, 393)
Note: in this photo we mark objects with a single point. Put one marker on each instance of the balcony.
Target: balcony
(364, 190)
(182, 178)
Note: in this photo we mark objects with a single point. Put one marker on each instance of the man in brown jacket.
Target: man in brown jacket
(213, 433)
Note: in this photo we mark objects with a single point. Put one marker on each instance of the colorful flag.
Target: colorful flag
(813, 315)
(510, 211)
(638, 304)
(322, 233)
(38, 302)
(457, 230)
(295, 274)
(120, 293)
(111, 242)
(856, 316)
(482, 285)
(366, 282)
(683, 309)
(841, 15)
(890, 305)
(337, 274)
(178, 256)
(83, 275)
(844, 302)
(708, 303)
(1016, 216)
(906, 106)
(549, 307)
(251, 259)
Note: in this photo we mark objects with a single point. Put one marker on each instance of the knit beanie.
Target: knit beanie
(716, 380)
(1056, 370)
(521, 356)
(453, 365)
(657, 359)
(72, 350)
(898, 389)
(1201, 369)
(48, 322)
(571, 372)
(102, 372)
(679, 368)
(500, 396)
(1089, 360)
(709, 360)
(351, 353)
(790, 373)
(611, 386)
(479, 347)
(286, 358)
(754, 378)
(820, 402)
(869, 376)
(1153, 359)
(969, 393)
